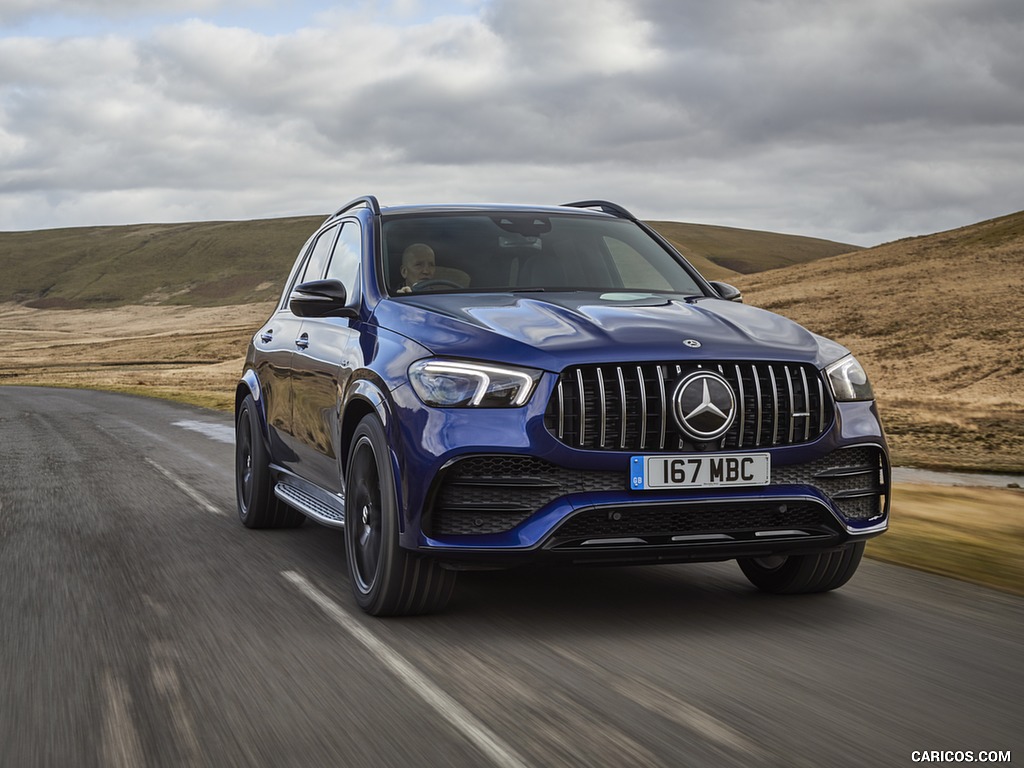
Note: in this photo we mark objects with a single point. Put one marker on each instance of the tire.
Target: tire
(386, 579)
(802, 574)
(258, 507)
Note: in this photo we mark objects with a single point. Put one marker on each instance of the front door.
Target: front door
(324, 365)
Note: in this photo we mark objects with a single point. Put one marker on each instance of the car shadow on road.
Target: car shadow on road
(622, 599)
(687, 598)
(564, 601)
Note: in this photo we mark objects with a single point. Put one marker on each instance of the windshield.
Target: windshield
(519, 251)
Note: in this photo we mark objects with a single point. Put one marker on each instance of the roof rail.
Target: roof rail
(605, 206)
(368, 201)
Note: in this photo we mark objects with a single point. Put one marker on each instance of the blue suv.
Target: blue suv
(466, 387)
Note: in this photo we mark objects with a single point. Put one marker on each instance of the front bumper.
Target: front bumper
(495, 488)
(521, 508)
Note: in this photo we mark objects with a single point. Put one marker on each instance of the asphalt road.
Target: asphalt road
(142, 625)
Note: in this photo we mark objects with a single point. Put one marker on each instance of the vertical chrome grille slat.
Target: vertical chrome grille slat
(821, 405)
(679, 372)
(760, 405)
(594, 408)
(807, 405)
(622, 400)
(664, 408)
(643, 406)
(743, 406)
(583, 407)
(792, 403)
(775, 404)
(561, 411)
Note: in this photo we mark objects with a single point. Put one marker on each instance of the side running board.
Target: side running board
(330, 513)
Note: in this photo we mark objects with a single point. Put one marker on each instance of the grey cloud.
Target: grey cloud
(826, 63)
(859, 122)
(14, 12)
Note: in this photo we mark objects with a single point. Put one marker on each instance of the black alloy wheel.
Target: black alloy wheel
(387, 580)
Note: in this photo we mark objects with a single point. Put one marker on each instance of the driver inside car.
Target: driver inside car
(417, 265)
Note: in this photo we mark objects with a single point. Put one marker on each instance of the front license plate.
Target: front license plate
(700, 471)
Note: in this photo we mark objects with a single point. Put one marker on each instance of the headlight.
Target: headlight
(460, 384)
(849, 380)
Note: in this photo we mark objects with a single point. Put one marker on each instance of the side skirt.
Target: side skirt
(311, 500)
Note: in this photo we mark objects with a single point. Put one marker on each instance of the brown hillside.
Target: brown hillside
(218, 263)
(744, 250)
(939, 323)
(685, 244)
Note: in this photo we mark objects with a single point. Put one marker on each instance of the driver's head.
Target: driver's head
(417, 263)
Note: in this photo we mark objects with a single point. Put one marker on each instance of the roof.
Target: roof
(585, 208)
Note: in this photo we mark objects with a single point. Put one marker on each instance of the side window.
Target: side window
(344, 264)
(317, 260)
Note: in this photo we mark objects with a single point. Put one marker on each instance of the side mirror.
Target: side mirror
(728, 292)
(320, 298)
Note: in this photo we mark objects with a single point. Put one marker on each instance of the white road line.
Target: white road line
(158, 438)
(668, 705)
(193, 494)
(222, 433)
(693, 718)
(121, 745)
(477, 733)
(165, 680)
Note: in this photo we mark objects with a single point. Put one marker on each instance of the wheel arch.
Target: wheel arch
(364, 397)
(249, 384)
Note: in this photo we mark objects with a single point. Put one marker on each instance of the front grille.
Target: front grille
(628, 407)
(493, 494)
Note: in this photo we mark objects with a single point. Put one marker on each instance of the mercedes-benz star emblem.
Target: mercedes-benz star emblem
(704, 405)
(692, 343)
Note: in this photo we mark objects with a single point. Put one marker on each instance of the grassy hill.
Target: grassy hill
(220, 263)
(939, 323)
(727, 249)
(198, 264)
(937, 320)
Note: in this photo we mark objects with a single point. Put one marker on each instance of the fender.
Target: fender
(251, 382)
(363, 395)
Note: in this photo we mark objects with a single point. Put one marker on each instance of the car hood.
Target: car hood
(553, 330)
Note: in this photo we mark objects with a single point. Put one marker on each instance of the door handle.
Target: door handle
(267, 336)
(303, 341)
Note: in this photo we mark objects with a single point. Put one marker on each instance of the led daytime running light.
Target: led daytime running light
(483, 375)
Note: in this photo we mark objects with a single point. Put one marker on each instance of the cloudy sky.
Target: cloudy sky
(856, 120)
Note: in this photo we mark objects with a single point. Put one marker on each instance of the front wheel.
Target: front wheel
(802, 574)
(386, 579)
